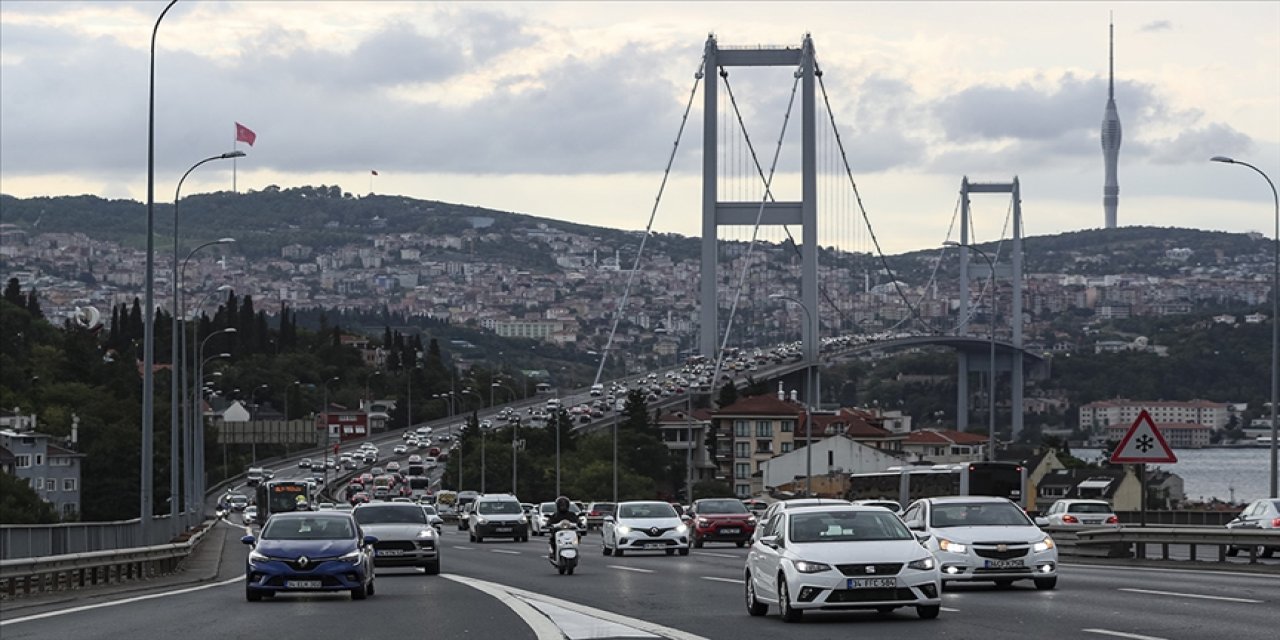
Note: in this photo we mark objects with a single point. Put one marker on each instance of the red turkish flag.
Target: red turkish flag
(245, 134)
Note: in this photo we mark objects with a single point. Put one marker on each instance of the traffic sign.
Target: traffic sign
(1143, 444)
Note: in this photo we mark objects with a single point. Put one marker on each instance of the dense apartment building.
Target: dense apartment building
(1101, 415)
(751, 432)
(1179, 435)
(52, 471)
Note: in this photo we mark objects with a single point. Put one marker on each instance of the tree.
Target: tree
(13, 292)
(19, 503)
(712, 489)
(728, 395)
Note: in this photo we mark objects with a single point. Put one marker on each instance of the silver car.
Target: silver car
(1260, 514)
(406, 537)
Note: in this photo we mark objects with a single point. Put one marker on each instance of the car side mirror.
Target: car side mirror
(770, 541)
(1042, 522)
(370, 540)
(922, 537)
(685, 518)
(915, 525)
(249, 540)
(608, 519)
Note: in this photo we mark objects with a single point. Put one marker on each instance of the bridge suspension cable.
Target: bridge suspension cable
(648, 229)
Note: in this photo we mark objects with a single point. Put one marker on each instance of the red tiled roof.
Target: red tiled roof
(947, 436)
(763, 405)
(678, 417)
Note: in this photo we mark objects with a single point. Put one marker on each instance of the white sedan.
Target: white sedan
(981, 538)
(645, 526)
(400, 448)
(840, 557)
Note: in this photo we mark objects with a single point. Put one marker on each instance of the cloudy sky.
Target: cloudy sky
(570, 110)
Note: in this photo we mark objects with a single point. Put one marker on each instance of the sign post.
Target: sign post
(1141, 445)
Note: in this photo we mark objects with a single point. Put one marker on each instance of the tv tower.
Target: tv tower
(1111, 139)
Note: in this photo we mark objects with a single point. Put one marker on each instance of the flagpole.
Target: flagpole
(235, 146)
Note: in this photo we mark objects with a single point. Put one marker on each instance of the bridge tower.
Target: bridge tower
(1014, 363)
(716, 213)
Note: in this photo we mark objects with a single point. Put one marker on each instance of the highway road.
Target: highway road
(508, 590)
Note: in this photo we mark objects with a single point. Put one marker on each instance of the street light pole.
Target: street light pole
(480, 428)
(991, 374)
(198, 402)
(192, 499)
(145, 499)
(1275, 320)
(515, 429)
(809, 393)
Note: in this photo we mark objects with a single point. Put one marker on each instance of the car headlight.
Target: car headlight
(923, 564)
(682, 528)
(427, 533)
(702, 522)
(623, 529)
(524, 520)
(480, 520)
(254, 556)
(1043, 545)
(953, 547)
(751, 520)
(804, 566)
(353, 556)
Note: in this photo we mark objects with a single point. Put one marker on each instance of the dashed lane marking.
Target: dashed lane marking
(1121, 634)
(715, 579)
(950, 610)
(63, 612)
(462, 547)
(1198, 596)
(506, 551)
(635, 569)
(717, 555)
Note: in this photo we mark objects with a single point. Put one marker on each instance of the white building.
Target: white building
(840, 455)
(1104, 413)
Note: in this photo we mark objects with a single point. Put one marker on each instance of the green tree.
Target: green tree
(19, 503)
(728, 395)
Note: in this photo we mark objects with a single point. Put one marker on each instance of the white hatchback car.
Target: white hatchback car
(840, 557)
(645, 526)
(980, 538)
(1081, 514)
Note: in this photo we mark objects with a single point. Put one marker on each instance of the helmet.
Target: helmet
(302, 505)
(562, 504)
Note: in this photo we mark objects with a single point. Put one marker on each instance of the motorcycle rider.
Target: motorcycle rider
(563, 513)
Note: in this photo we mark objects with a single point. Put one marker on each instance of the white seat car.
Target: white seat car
(1081, 514)
(980, 538)
(840, 557)
(645, 526)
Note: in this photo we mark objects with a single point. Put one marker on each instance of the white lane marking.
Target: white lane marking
(456, 546)
(715, 579)
(63, 612)
(718, 555)
(1198, 596)
(542, 626)
(1233, 574)
(1121, 634)
(635, 569)
(514, 553)
(950, 610)
(579, 626)
(643, 625)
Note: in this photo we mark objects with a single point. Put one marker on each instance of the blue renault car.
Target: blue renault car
(309, 551)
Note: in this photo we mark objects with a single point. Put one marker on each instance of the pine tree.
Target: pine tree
(33, 304)
(13, 292)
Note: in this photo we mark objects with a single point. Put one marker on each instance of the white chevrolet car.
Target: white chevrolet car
(645, 526)
(840, 557)
(979, 538)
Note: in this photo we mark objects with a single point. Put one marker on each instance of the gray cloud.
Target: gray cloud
(1157, 25)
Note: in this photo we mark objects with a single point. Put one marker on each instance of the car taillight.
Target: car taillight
(1113, 520)
(595, 513)
(1275, 523)
(1070, 519)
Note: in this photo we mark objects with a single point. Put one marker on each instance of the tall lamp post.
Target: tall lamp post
(515, 428)
(809, 393)
(145, 498)
(480, 428)
(193, 452)
(1275, 319)
(991, 374)
(254, 403)
(198, 405)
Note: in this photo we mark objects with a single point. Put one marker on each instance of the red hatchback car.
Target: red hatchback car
(721, 520)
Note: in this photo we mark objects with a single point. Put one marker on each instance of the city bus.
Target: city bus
(281, 496)
(419, 487)
(907, 484)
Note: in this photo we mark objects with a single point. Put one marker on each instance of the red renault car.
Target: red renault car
(721, 520)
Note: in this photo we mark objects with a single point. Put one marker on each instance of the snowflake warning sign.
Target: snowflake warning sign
(1143, 444)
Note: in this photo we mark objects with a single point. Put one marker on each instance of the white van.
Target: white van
(597, 389)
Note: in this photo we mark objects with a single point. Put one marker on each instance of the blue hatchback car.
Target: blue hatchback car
(309, 551)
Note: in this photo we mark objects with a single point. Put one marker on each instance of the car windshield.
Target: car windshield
(498, 507)
(1089, 507)
(892, 506)
(550, 507)
(602, 507)
(647, 510)
(720, 506)
(316, 527)
(847, 526)
(431, 511)
(978, 514)
(407, 514)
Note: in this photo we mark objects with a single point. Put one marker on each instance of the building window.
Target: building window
(741, 428)
(786, 447)
(764, 446)
(37, 483)
(742, 471)
(743, 490)
(68, 484)
(51, 484)
(764, 429)
(742, 449)
(69, 509)
(23, 461)
(788, 426)
(60, 462)
(39, 459)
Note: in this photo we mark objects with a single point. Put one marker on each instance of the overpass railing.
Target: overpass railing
(1132, 542)
(39, 540)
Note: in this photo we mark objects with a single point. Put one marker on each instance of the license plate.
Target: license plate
(390, 552)
(655, 545)
(503, 529)
(302, 584)
(1092, 521)
(727, 531)
(871, 583)
(1004, 564)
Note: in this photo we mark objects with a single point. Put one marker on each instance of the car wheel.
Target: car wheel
(607, 551)
(432, 568)
(684, 551)
(252, 595)
(754, 606)
(359, 593)
(1266, 552)
(369, 589)
(671, 552)
(741, 544)
(789, 614)
(1232, 552)
(479, 539)
(928, 611)
(697, 543)
(1046, 584)
(617, 551)
(471, 537)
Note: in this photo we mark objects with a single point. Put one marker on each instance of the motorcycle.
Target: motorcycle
(565, 556)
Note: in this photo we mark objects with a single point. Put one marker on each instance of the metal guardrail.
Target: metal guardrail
(24, 576)
(19, 541)
(1131, 542)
